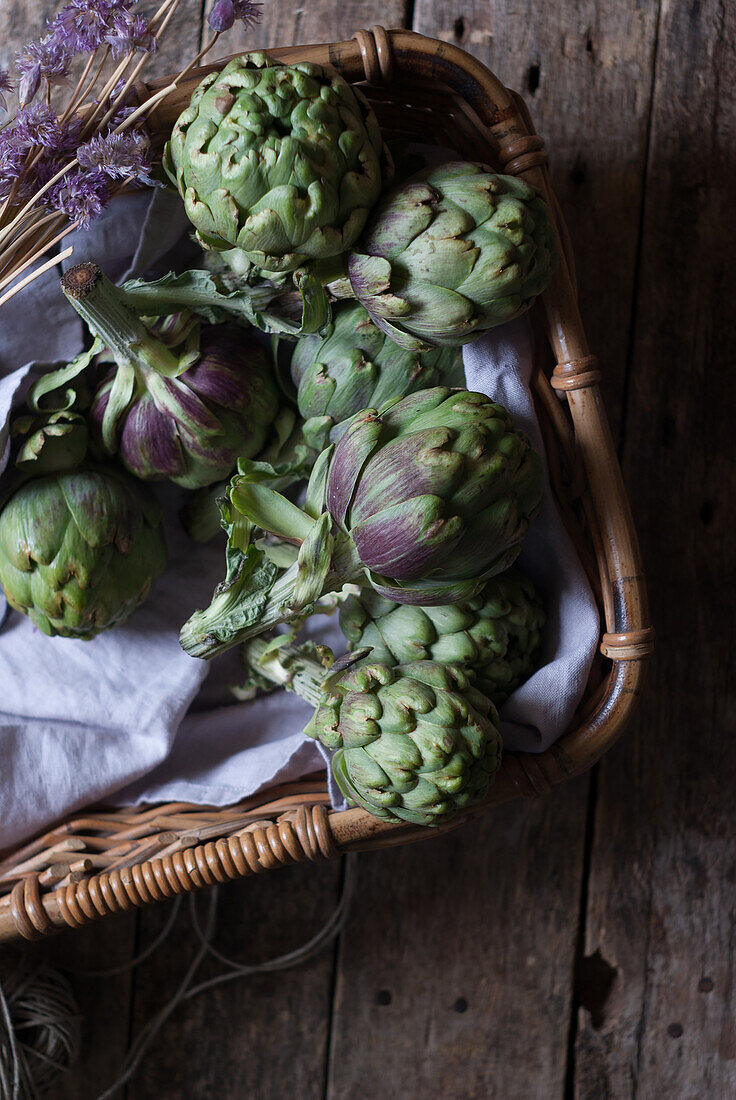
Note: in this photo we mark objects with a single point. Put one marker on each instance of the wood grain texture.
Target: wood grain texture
(285, 23)
(103, 1001)
(585, 70)
(263, 1036)
(663, 884)
(455, 971)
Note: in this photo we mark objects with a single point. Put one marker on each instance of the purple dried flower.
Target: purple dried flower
(69, 135)
(82, 25)
(119, 156)
(5, 86)
(222, 16)
(129, 33)
(81, 195)
(47, 58)
(37, 125)
(12, 161)
(225, 12)
(248, 12)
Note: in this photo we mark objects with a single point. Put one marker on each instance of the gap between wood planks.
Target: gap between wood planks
(593, 975)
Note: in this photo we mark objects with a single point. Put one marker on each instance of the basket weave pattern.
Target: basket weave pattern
(105, 862)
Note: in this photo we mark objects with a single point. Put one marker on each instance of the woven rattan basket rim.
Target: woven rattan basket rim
(273, 829)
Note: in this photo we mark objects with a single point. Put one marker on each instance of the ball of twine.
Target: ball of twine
(39, 1027)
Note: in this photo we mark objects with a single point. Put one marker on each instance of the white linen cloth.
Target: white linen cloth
(128, 717)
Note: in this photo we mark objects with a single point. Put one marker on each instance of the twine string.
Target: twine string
(39, 1029)
(186, 990)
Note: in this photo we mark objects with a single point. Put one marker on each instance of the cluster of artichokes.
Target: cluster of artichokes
(415, 493)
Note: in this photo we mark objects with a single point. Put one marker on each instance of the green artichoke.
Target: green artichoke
(282, 161)
(494, 636)
(425, 501)
(454, 251)
(80, 550)
(358, 367)
(415, 742)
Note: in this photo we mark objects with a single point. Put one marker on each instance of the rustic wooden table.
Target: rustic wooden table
(581, 945)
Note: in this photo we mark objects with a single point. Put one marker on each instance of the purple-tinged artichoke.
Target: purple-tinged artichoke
(192, 428)
(436, 494)
(80, 550)
(452, 252)
(425, 501)
(181, 402)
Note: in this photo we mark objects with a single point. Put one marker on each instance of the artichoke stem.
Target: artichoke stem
(207, 633)
(102, 307)
(346, 568)
(289, 667)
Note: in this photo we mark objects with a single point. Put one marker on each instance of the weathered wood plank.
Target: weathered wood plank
(455, 971)
(662, 889)
(584, 69)
(285, 23)
(263, 1036)
(103, 1001)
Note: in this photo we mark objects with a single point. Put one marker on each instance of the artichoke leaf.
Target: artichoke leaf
(237, 603)
(314, 501)
(313, 564)
(121, 394)
(269, 510)
(57, 379)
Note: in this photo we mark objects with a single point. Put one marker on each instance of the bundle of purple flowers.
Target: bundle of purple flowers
(59, 167)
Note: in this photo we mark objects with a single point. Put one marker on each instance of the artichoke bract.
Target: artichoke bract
(80, 550)
(414, 742)
(182, 401)
(425, 501)
(495, 636)
(357, 367)
(281, 161)
(452, 252)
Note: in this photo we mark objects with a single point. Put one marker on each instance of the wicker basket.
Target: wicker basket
(104, 862)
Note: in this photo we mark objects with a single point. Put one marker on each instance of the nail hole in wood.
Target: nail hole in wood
(458, 28)
(578, 175)
(668, 430)
(705, 985)
(460, 1005)
(674, 1031)
(383, 997)
(532, 79)
(594, 981)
